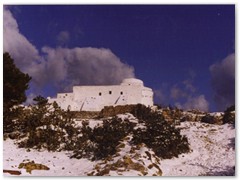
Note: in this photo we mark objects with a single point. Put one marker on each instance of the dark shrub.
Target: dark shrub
(208, 119)
(143, 113)
(164, 139)
(12, 124)
(102, 140)
(15, 83)
(47, 126)
(229, 115)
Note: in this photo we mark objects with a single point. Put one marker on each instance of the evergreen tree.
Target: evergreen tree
(15, 83)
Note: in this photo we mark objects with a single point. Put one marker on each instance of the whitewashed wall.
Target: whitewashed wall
(94, 98)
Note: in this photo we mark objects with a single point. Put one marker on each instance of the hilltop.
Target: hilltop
(121, 142)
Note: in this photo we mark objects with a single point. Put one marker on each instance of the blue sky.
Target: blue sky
(185, 53)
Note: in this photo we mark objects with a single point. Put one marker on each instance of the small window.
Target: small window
(110, 92)
(121, 93)
(100, 94)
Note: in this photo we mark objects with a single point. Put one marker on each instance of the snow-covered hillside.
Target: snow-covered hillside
(213, 151)
(212, 154)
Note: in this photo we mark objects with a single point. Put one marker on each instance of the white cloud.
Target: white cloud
(223, 82)
(23, 52)
(176, 93)
(30, 98)
(62, 67)
(197, 102)
(63, 37)
(184, 95)
(84, 66)
(160, 96)
(189, 86)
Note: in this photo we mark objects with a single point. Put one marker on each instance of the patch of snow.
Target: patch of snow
(59, 162)
(213, 151)
(216, 114)
(92, 122)
(132, 119)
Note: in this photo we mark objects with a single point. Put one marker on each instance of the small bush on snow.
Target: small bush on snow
(47, 126)
(229, 115)
(163, 138)
(208, 119)
(102, 140)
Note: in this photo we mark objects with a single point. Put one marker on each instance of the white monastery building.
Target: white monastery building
(94, 98)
